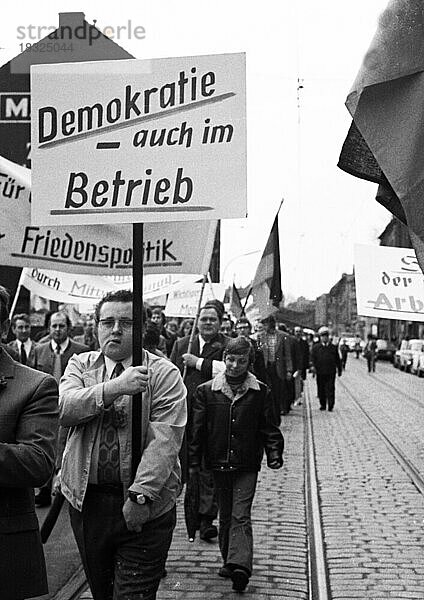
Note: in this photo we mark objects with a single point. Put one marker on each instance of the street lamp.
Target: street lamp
(236, 258)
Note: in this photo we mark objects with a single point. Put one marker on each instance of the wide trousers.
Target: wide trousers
(120, 564)
(371, 363)
(326, 392)
(235, 491)
(279, 393)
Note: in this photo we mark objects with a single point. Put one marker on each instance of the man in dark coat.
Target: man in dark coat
(302, 352)
(278, 354)
(207, 348)
(28, 424)
(325, 361)
(344, 351)
(52, 357)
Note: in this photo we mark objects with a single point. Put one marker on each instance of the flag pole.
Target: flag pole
(193, 329)
(210, 285)
(16, 297)
(281, 204)
(137, 342)
(247, 298)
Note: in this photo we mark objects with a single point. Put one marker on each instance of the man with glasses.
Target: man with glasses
(123, 525)
(52, 357)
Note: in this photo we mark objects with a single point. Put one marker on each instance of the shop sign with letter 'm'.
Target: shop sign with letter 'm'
(139, 140)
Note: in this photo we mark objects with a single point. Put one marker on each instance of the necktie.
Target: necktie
(57, 364)
(108, 465)
(23, 355)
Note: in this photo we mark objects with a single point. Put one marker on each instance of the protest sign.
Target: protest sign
(66, 287)
(389, 283)
(174, 247)
(70, 288)
(163, 140)
(183, 299)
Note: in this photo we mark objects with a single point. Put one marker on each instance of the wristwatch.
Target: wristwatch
(139, 498)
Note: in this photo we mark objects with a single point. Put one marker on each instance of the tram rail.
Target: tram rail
(400, 456)
(401, 392)
(74, 587)
(317, 564)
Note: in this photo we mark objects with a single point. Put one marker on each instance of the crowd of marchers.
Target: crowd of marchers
(212, 404)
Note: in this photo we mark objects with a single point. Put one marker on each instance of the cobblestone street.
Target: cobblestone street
(372, 513)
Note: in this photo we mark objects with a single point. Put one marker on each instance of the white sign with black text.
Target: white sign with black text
(389, 283)
(139, 140)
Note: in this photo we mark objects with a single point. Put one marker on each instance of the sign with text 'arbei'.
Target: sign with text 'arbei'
(389, 283)
(139, 140)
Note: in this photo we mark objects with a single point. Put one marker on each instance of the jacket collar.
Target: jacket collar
(63, 346)
(220, 384)
(99, 359)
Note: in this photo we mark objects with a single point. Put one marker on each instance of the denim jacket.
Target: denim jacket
(164, 415)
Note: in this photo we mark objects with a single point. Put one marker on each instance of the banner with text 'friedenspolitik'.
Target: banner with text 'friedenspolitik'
(174, 247)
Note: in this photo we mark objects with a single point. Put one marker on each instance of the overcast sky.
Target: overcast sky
(292, 152)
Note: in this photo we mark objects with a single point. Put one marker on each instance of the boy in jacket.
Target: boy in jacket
(232, 426)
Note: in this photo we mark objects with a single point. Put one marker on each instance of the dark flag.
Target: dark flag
(266, 286)
(385, 142)
(236, 308)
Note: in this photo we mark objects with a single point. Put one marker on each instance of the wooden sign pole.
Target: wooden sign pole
(138, 327)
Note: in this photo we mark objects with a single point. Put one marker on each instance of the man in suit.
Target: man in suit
(203, 363)
(52, 357)
(278, 356)
(325, 361)
(290, 385)
(122, 523)
(28, 424)
(23, 344)
(88, 338)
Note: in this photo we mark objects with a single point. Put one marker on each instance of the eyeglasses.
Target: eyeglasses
(124, 324)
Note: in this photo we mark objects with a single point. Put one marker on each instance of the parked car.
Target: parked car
(407, 351)
(396, 358)
(385, 350)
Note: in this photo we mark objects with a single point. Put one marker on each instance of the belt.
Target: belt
(114, 489)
